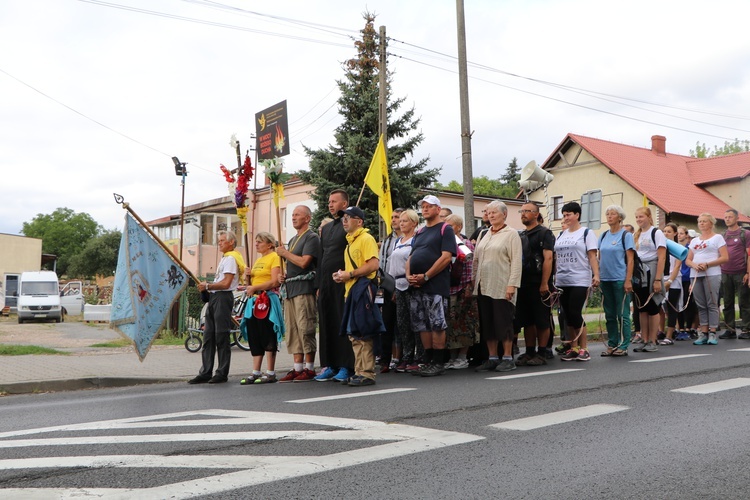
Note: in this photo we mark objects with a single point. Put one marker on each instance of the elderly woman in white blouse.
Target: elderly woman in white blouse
(496, 276)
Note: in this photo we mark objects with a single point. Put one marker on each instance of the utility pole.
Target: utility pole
(463, 86)
(383, 105)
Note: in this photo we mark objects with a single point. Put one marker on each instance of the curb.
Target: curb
(81, 383)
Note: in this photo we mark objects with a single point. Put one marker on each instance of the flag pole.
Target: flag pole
(121, 201)
(361, 193)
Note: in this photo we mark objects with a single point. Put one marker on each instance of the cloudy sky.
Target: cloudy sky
(98, 95)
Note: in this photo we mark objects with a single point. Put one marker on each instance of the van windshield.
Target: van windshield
(39, 288)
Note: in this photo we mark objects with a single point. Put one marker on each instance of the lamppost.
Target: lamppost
(181, 170)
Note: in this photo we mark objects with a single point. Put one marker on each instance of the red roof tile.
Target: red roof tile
(665, 180)
(719, 168)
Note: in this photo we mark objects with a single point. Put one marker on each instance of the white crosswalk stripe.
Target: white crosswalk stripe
(559, 417)
(722, 385)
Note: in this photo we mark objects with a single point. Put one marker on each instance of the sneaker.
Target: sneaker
(385, 369)
(401, 367)
(537, 360)
(693, 334)
(460, 364)
(563, 348)
(549, 354)
(487, 366)
(711, 339)
(290, 376)
(666, 342)
(583, 355)
(650, 347)
(342, 375)
(728, 335)
(393, 365)
(416, 371)
(505, 365)
(449, 364)
(744, 336)
(570, 355)
(325, 375)
(661, 336)
(639, 347)
(250, 379)
(305, 376)
(701, 340)
(412, 367)
(637, 339)
(361, 381)
(432, 370)
(682, 336)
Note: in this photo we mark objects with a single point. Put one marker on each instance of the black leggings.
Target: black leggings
(687, 317)
(673, 305)
(572, 299)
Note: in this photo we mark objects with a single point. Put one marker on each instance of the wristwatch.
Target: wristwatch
(426, 278)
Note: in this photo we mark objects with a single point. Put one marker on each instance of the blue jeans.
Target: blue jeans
(616, 304)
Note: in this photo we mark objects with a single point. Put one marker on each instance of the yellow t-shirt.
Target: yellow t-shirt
(261, 271)
(362, 247)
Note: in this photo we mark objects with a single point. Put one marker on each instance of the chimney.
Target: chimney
(658, 145)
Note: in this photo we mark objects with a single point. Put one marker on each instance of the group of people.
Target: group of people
(459, 299)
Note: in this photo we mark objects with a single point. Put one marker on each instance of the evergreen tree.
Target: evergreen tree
(345, 163)
(512, 176)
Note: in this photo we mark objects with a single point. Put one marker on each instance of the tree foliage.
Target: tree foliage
(64, 233)
(504, 187)
(98, 257)
(738, 146)
(344, 164)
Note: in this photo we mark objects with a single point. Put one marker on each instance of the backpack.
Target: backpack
(639, 271)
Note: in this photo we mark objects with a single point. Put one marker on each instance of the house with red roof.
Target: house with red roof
(599, 173)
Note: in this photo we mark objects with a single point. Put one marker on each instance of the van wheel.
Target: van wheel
(58, 319)
(20, 320)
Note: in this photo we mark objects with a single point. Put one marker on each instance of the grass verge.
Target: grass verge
(22, 350)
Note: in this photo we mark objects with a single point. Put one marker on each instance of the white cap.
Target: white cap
(692, 233)
(431, 199)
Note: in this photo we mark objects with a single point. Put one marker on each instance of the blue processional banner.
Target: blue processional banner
(147, 282)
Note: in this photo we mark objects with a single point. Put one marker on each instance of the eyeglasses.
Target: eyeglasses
(528, 211)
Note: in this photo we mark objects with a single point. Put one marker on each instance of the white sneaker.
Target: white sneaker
(459, 364)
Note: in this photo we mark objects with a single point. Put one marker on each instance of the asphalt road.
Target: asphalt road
(609, 428)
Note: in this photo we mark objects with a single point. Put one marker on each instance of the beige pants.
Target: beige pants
(364, 359)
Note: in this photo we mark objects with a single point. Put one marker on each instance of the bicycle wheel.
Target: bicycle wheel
(236, 338)
(193, 342)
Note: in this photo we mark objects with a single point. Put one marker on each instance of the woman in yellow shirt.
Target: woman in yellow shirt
(264, 280)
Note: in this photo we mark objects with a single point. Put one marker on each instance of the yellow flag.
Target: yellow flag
(377, 180)
(645, 200)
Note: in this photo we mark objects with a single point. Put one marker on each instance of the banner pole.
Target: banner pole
(121, 201)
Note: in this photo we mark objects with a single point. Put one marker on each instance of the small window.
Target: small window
(557, 204)
(591, 209)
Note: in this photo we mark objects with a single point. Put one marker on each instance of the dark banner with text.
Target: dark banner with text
(272, 132)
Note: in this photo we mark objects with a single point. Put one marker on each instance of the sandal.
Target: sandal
(608, 352)
(522, 359)
(265, 379)
(250, 379)
(619, 352)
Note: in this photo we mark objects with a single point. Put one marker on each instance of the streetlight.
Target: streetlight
(181, 170)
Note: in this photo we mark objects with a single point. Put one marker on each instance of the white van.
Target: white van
(71, 298)
(39, 296)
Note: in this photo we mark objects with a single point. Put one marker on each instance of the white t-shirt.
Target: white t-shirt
(397, 263)
(677, 283)
(227, 265)
(645, 245)
(706, 251)
(573, 266)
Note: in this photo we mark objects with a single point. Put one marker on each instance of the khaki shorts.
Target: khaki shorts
(299, 316)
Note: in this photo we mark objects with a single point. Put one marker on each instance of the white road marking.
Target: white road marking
(743, 349)
(723, 385)
(352, 395)
(669, 358)
(537, 374)
(558, 417)
(401, 440)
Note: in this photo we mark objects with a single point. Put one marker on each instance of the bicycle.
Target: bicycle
(194, 340)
